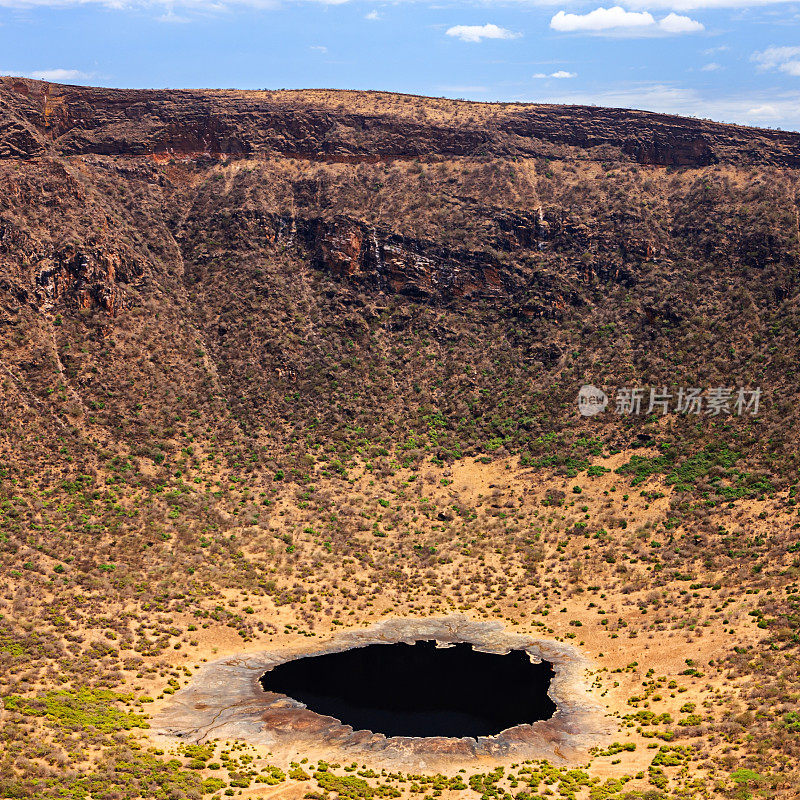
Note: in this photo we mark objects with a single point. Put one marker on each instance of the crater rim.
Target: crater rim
(225, 700)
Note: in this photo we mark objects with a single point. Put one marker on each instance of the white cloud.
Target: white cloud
(710, 67)
(171, 17)
(58, 75)
(617, 21)
(767, 111)
(475, 33)
(320, 48)
(373, 15)
(676, 23)
(601, 19)
(558, 74)
(784, 59)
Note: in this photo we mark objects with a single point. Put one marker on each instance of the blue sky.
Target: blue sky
(727, 60)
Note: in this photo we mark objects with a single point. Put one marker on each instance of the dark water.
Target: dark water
(419, 689)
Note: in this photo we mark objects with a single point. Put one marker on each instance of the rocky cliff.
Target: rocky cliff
(40, 118)
(364, 266)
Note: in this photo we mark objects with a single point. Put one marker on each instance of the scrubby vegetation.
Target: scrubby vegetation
(248, 400)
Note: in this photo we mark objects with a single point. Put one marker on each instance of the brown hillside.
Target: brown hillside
(278, 364)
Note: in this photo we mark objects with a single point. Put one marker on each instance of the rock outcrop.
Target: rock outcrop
(38, 117)
(362, 264)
